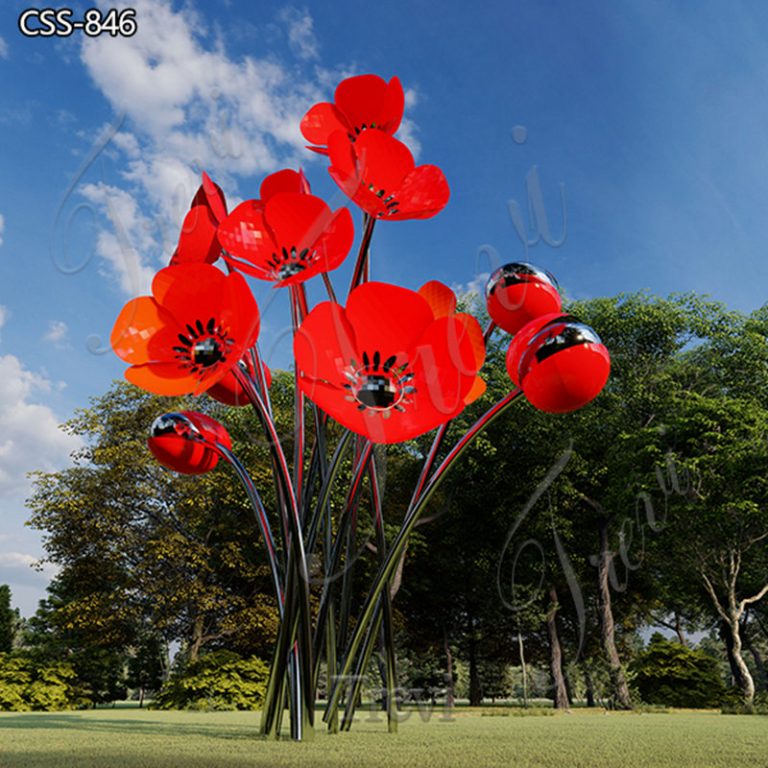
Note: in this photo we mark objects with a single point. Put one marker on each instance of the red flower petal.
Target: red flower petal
(475, 336)
(423, 193)
(444, 367)
(440, 298)
(135, 326)
(164, 379)
(198, 241)
(383, 161)
(324, 344)
(477, 391)
(362, 100)
(297, 220)
(394, 104)
(244, 233)
(286, 180)
(387, 318)
(190, 290)
(215, 198)
(321, 121)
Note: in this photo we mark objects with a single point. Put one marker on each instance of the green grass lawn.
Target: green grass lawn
(132, 738)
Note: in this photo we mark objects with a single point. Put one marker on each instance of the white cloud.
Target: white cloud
(16, 559)
(2, 227)
(25, 573)
(3, 315)
(30, 437)
(474, 288)
(3, 49)
(57, 332)
(130, 237)
(301, 34)
(190, 107)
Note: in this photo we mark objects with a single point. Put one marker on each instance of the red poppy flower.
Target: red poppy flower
(385, 366)
(198, 241)
(178, 441)
(360, 103)
(229, 390)
(288, 238)
(563, 365)
(518, 293)
(189, 333)
(379, 174)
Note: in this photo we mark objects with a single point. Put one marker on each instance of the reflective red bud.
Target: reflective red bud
(518, 293)
(181, 441)
(564, 366)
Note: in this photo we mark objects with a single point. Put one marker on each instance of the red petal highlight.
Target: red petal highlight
(286, 180)
(244, 233)
(423, 194)
(324, 344)
(440, 298)
(135, 326)
(321, 121)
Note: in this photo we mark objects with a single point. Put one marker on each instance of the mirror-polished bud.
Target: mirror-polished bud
(564, 365)
(182, 441)
(518, 293)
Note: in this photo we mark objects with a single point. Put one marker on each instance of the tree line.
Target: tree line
(556, 542)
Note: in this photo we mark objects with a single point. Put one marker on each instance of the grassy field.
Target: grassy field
(132, 738)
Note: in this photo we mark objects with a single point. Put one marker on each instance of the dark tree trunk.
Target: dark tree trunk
(197, 639)
(679, 631)
(449, 681)
(475, 687)
(620, 690)
(559, 692)
(523, 667)
(590, 687)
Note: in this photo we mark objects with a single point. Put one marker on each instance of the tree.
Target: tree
(671, 674)
(9, 620)
(141, 547)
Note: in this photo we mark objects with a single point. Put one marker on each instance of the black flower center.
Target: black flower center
(390, 203)
(359, 129)
(377, 392)
(203, 347)
(291, 261)
(207, 352)
(379, 387)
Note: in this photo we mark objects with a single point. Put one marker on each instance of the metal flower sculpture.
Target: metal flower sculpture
(388, 364)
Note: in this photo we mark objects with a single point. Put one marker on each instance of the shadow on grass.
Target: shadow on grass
(138, 727)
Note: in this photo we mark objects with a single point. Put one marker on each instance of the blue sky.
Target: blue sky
(645, 122)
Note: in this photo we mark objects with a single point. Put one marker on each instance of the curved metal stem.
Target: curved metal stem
(297, 562)
(387, 568)
(261, 517)
(361, 265)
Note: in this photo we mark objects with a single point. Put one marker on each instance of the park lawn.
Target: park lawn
(133, 738)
